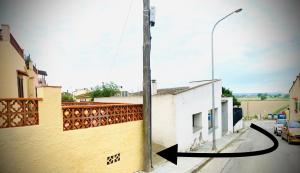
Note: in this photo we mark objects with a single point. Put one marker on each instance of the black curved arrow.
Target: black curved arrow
(172, 153)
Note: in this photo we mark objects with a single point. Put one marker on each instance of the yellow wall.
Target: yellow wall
(261, 107)
(47, 148)
(10, 62)
(295, 93)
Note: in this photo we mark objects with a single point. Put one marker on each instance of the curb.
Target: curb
(200, 166)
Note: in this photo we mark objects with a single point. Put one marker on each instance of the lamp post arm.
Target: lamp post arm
(221, 20)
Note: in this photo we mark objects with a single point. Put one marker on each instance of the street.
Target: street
(284, 159)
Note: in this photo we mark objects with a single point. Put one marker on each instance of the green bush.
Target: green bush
(66, 97)
(106, 90)
(226, 92)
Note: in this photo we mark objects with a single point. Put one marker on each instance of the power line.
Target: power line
(120, 41)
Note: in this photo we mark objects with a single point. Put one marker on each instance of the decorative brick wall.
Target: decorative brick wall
(93, 114)
(19, 112)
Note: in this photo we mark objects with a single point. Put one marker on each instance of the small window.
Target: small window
(197, 122)
(210, 124)
(20, 86)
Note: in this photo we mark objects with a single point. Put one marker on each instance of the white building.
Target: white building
(78, 92)
(182, 115)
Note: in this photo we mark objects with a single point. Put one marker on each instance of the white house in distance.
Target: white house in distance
(181, 115)
(78, 92)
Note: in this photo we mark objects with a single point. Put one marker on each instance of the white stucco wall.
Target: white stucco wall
(172, 115)
(239, 125)
(163, 116)
(192, 102)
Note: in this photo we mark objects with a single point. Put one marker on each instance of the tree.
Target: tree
(236, 102)
(286, 96)
(262, 96)
(228, 93)
(106, 90)
(278, 95)
(66, 97)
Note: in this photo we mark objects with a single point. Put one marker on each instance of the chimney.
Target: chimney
(153, 87)
(5, 33)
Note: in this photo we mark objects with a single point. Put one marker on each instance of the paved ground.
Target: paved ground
(285, 159)
(188, 164)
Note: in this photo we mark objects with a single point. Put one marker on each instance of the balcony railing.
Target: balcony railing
(78, 115)
(19, 112)
(42, 81)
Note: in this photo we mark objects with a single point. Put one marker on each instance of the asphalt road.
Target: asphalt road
(285, 159)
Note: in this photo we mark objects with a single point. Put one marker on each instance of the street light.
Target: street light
(214, 147)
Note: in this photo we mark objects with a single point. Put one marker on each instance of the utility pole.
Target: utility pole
(147, 86)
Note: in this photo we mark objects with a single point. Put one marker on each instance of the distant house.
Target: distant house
(78, 92)
(18, 76)
(182, 115)
(294, 100)
(86, 97)
(82, 95)
(123, 93)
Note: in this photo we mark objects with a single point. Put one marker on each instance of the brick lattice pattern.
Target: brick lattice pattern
(19, 112)
(93, 114)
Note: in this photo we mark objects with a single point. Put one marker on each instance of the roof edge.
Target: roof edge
(298, 76)
(197, 86)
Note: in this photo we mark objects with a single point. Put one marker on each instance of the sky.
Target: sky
(82, 43)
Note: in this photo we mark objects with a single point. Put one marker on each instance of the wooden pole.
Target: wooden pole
(147, 86)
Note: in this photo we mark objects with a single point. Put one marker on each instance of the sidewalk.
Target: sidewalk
(188, 165)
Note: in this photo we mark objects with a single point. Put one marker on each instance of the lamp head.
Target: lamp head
(238, 10)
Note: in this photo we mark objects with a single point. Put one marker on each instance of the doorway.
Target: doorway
(224, 117)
